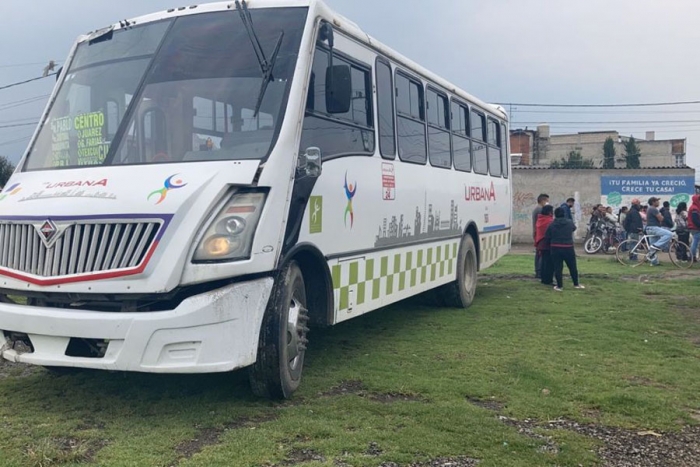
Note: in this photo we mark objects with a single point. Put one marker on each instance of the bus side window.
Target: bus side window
(438, 130)
(505, 154)
(494, 147)
(410, 119)
(479, 152)
(338, 134)
(385, 110)
(461, 146)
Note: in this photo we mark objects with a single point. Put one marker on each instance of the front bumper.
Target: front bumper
(212, 332)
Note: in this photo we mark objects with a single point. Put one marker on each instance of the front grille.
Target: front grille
(82, 247)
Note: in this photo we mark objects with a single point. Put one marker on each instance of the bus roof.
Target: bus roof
(319, 8)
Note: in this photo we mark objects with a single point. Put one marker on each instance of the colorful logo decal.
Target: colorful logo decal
(11, 190)
(350, 193)
(168, 185)
(316, 218)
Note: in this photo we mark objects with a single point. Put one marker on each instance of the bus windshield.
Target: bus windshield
(171, 91)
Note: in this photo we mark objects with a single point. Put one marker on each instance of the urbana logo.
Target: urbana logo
(10, 191)
(479, 193)
(350, 190)
(168, 185)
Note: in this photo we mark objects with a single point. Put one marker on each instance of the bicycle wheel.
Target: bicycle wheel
(610, 245)
(679, 253)
(593, 245)
(630, 253)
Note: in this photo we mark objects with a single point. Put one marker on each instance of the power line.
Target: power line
(14, 125)
(26, 81)
(611, 122)
(29, 100)
(14, 141)
(603, 112)
(17, 65)
(647, 104)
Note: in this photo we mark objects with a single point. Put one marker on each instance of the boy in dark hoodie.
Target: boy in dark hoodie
(559, 235)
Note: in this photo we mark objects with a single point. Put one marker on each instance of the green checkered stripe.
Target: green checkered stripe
(391, 273)
(491, 244)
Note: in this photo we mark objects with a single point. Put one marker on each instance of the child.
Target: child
(560, 237)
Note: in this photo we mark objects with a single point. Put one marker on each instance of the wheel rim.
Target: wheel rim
(593, 244)
(629, 254)
(469, 271)
(297, 317)
(680, 249)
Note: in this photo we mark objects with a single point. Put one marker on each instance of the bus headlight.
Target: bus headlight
(230, 236)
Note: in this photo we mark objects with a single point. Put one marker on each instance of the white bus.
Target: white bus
(208, 182)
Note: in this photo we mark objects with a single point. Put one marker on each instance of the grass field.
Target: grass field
(525, 377)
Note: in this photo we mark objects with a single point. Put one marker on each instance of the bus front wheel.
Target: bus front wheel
(460, 293)
(276, 374)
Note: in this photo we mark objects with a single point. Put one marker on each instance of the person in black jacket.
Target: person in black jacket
(560, 237)
(666, 212)
(633, 222)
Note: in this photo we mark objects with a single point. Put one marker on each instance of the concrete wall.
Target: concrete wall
(560, 184)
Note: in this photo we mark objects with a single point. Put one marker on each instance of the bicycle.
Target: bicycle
(635, 252)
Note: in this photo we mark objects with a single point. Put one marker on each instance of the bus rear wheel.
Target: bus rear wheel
(460, 293)
(276, 374)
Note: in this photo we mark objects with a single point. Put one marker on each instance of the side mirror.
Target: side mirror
(338, 89)
(310, 162)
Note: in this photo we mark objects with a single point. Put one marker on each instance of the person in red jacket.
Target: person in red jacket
(544, 218)
(694, 225)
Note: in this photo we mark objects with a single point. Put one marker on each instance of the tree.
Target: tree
(574, 161)
(632, 153)
(609, 153)
(6, 169)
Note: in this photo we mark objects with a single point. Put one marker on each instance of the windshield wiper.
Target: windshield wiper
(266, 66)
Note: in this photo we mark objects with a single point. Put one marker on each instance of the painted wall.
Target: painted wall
(590, 187)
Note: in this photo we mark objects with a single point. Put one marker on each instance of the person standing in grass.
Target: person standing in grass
(681, 223)
(559, 234)
(543, 220)
(542, 201)
(694, 225)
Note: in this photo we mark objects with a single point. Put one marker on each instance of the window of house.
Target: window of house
(680, 160)
(385, 110)
(438, 130)
(338, 134)
(461, 147)
(478, 136)
(493, 135)
(410, 120)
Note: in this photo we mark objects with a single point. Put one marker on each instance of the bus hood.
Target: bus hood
(121, 190)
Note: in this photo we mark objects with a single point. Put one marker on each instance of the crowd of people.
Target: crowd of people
(552, 232)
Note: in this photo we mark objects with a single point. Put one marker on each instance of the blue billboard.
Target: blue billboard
(620, 190)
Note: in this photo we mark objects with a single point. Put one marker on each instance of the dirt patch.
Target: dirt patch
(90, 424)
(210, 436)
(489, 404)
(642, 381)
(439, 462)
(301, 456)
(63, 450)
(16, 370)
(373, 449)
(623, 448)
(394, 396)
(350, 386)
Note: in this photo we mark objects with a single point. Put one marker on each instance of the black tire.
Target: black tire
(460, 293)
(679, 253)
(276, 374)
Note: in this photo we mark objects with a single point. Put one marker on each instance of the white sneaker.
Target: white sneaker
(579, 287)
(558, 289)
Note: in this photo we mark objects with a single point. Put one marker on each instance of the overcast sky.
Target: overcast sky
(543, 51)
